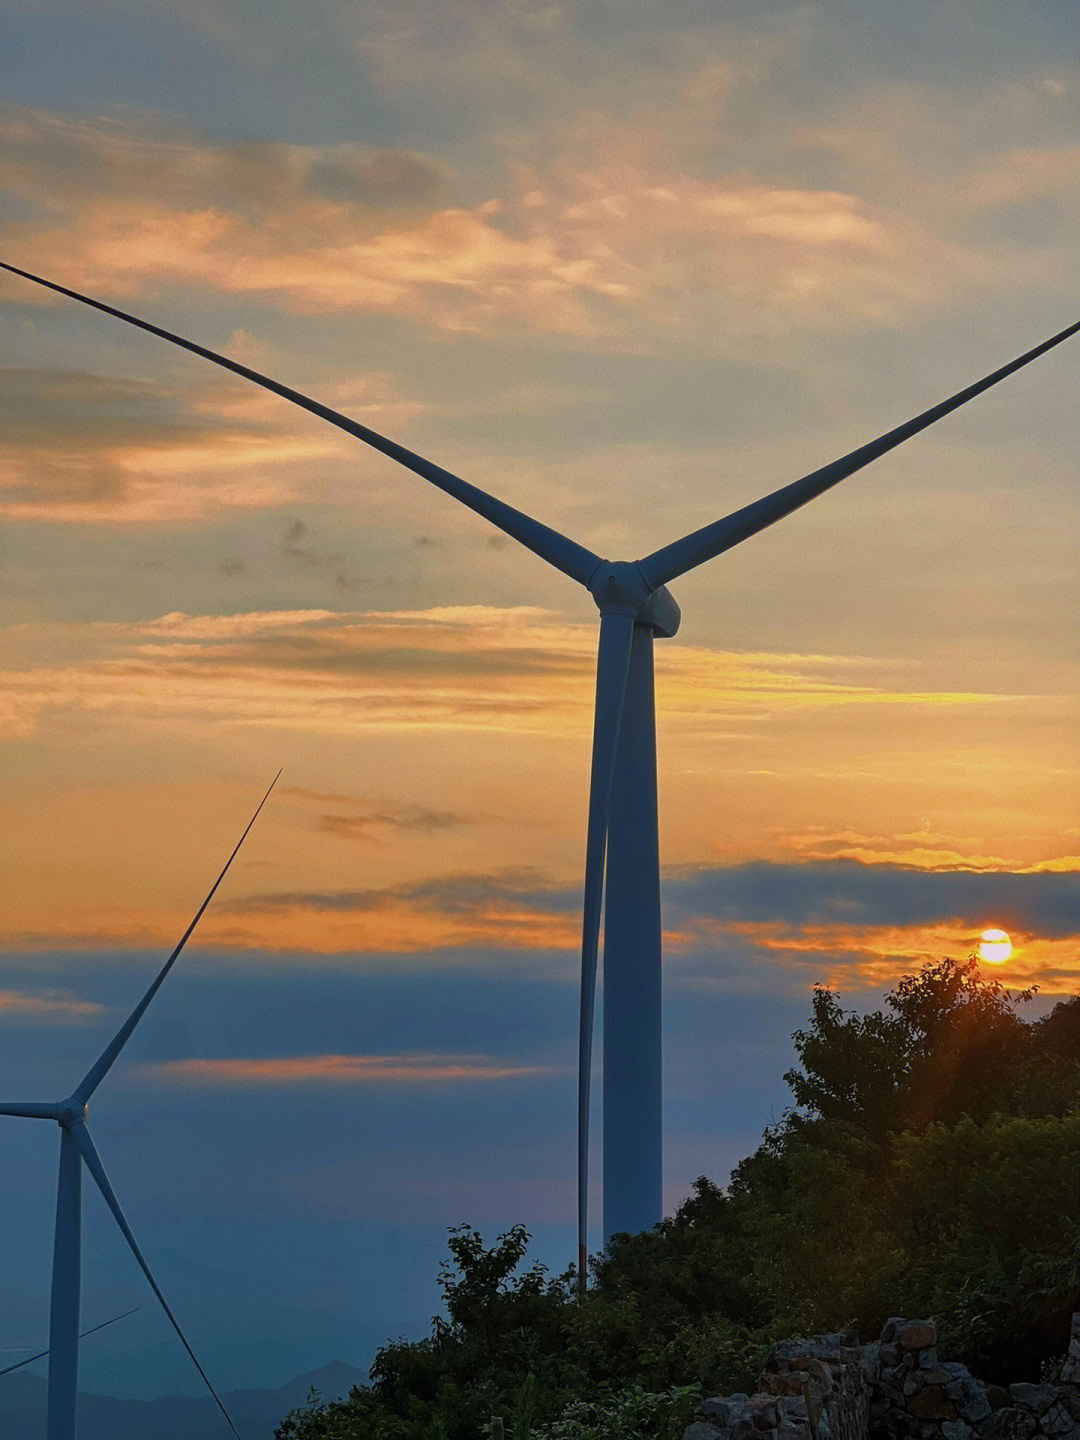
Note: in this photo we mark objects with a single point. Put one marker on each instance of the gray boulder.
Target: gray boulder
(1033, 1397)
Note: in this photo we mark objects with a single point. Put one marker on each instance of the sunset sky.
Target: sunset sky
(627, 266)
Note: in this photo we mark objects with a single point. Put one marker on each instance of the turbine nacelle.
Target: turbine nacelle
(619, 588)
(71, 1112)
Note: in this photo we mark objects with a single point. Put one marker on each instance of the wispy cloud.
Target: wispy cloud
(88, 448)
(619, 237)
(353, 817)
(394, 1069)
(509, 910)
(922, 849)
(460, 668)
(20, 1008)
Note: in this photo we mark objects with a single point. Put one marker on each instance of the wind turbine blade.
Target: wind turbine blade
(612, 663)
(97, 1170)
(28, 1109)
(42, 1353)
(701, 545)
(95, 1076)
(564, 554)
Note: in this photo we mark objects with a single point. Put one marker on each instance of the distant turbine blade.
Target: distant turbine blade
(694, 549)
(564, 554)
(28, 1109)
(97, 1170)
(42, 1353)
(612, 663)
(101, 1068)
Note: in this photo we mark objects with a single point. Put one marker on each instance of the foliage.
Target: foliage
(929, 1166)
(627, 1414)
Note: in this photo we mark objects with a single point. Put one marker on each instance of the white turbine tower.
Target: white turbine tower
(77, 1149)
(634, 605)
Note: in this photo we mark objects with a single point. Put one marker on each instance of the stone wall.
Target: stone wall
(829, 1387)
(811, 1389)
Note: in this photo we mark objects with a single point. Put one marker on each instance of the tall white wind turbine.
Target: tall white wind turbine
(622, 852)
(76, 1150)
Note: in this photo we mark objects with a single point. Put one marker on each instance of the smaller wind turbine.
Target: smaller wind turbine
(92, 1331)
(77, 1149)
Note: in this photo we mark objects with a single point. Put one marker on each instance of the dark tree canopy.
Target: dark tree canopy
(929, 1165)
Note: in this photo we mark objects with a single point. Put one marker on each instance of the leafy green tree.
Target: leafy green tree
(854, 1067)
(950, 1043)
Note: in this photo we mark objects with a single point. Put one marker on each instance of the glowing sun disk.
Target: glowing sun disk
(995, 946)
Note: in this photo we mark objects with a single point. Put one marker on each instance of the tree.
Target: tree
(952, 1045)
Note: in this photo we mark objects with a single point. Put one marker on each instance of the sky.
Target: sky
(628, 267)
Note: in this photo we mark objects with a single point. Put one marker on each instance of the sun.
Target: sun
(995, 946)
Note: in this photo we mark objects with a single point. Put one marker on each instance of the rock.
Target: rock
(892, 1328)
(870, 1361)
(700, 1431)
(1071, 1400)
(1033, 1397)
(1070, 1371)
(932, 1403)
(972, 1402)
(918, 1335)
(719, 1410)
(939, 1376)
(793, 1383)
(914, 1383)
(955, 1370)
(1010, 1423)
(968, 1393)
(955, 1430)
(890, 1354)
(998, 1396)
(763, 1411)
(1057, 1420)
(928, 1358)
(1074, 1327)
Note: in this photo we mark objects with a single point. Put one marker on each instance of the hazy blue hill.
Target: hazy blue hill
(173, 1417)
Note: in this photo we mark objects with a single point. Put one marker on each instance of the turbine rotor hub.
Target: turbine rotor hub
(619, 588)
(70, 1112)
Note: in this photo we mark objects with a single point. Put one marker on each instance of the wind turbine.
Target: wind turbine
(7, 1370)
(78, 1149)
(621, 837)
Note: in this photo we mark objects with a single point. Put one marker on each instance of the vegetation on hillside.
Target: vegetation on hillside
(929, 1165)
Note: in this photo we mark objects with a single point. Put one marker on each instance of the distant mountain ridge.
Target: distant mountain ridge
(256, 1413)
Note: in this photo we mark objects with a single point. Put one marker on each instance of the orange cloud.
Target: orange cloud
(516, 670)
(922, 850)
(19, 1008)
(503, 910)
(90, 449)
(398, 923)
(841, 956)
(589, 249)
(405, 1069)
